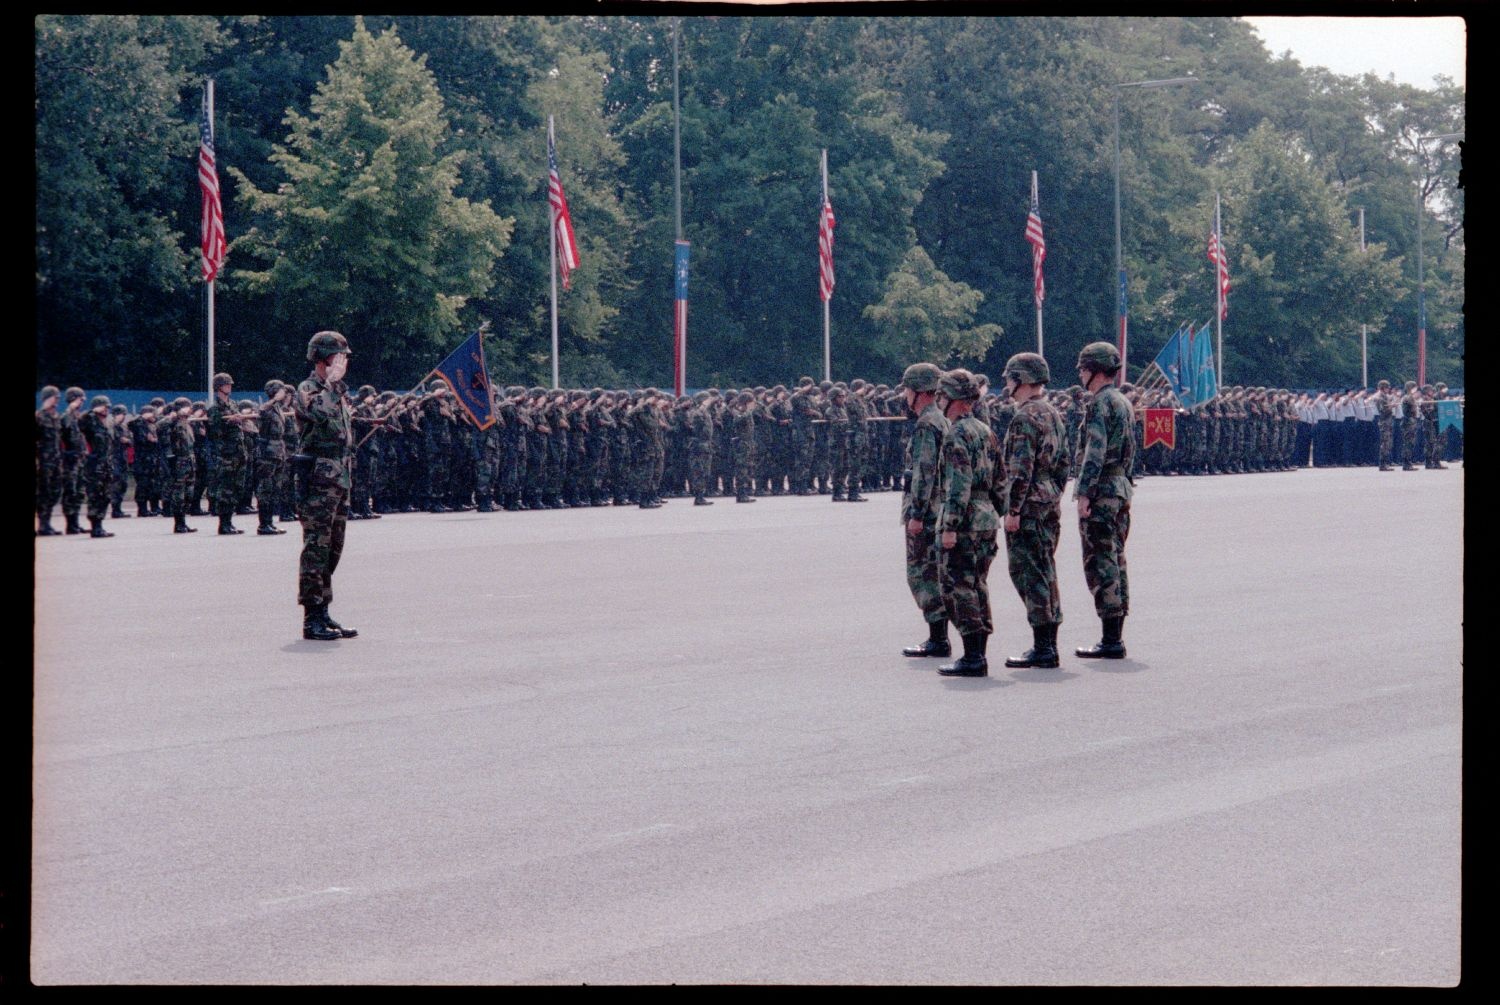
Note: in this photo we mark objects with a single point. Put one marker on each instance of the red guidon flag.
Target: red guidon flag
(1160, 427)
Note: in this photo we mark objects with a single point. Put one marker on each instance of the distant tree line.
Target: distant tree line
(387, 177)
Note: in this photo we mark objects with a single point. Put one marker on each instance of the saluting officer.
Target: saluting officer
(325, 454)
(919, 505)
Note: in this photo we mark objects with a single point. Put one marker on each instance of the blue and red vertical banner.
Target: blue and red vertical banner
(679, 320)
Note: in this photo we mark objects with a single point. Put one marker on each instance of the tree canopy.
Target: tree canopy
(387, 176)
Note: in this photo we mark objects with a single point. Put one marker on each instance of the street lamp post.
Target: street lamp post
(1119, 266)
(1421, 271)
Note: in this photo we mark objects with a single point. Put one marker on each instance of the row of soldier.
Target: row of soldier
(561, 448)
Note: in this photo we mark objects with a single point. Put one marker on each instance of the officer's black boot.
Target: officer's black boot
(347, 633)
(937, 643)
(44, 527)
(266, 527)
(1043, 651)
(116, 513)
(72, 527)
(854, 496)
(226, 522)
(744, 497)
(316, 627)
(972, 663)
(1111, 647)
(97, 528)
(699, 500)
(180, 524)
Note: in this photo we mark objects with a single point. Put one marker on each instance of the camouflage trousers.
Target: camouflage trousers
(922, 574)
(323, 523)
(270, 485)
(1408, 442)
(97, 475)
(700, 463)
(1031, 552)
(72, 486)
(49, 482)
(1104, 532)
(228, 480)
(964, 572)
(181, 486)
(1387, 429)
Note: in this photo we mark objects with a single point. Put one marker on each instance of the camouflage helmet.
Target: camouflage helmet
(959, 385)
(701, 397)
(74, 394)
(437, 384)
(1411, 385)
(273, 387)
(118, 410)
(387, 396)
(1027, 368)
(325, 344)
(595, 393)
(921, 377)
(246, 405)
(1427, 389)
(367, 390)
(857, 384)
(180, 402)
(1384, 385)
(159, 402)
(222, 380)
(49, 392)
(1441, 386)
(825, 386)
(99, 399)
(804, 382)
(1101, 357)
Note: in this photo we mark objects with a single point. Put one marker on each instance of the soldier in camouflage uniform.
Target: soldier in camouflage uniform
(270, 458)
(743, 441)
(325, 451)
(73, 450)
(175, 432)
(700, 448)
(146, 463)
(120, 446)
(1432, 444)
(1035, 472)
(224, 420)
(49, 461)
(804, 438)
(837, 417)
(1411, 410)
(967, 522)
(94, 426)
(920, 504)
(1105, 464)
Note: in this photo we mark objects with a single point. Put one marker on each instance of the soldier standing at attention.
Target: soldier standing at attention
(1385, 422)
(1035, 471)
(270, 457)
(1410, 416)
(224, 421)
(175, 430)
(49, 461)
(744, 447)
(919, 505)
(326, 452)
(72, 454)
(119, 438)
(1106, 452)
(94, 425)
(967, 522)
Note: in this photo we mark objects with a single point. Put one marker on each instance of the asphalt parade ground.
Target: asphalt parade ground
(625, 746)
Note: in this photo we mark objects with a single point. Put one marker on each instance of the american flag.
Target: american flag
(825, 251)
(1217, 256)
(1038, 245)
(562, 223)
(214, 246)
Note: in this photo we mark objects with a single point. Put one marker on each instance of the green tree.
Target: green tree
(365, 233)
(924, 315)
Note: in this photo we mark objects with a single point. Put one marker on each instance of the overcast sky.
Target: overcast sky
(1414, 49)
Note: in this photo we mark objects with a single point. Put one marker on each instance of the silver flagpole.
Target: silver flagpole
(210, 397)
(1364, 328)
(1034, 202)
(827, 342)
(1219, 288)
(679, 361)
(552, 248)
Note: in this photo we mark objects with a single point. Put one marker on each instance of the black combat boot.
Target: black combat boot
(1110, 647)
(972, 663)
(72, 527)
(699, 500)
(744, 498)
(347, 633)
(44, 527)
(838, 496)
(1043, 651)
(266, 527)
(180, 525)
(143, 508)
(937, 643)
(854, 496)
(485, 506)
(647, 503)
(226, 522)
(98, 530)
(315, 626)
(116, 513)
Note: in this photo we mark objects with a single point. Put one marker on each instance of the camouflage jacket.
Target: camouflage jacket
(924, 456)
(96, 437)
(48, 437)
(1036, 466)
(179, 438)
(271, 437)
(1385, 408)
(224, 434)
(327, 431)
(1106, 449)
(969, 453)
(72, 438)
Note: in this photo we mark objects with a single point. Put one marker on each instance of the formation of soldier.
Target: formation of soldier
(550, 449)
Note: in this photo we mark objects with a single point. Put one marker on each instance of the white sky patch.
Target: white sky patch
(1413, 49)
